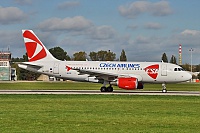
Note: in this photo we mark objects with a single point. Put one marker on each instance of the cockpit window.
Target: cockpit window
(179, 69)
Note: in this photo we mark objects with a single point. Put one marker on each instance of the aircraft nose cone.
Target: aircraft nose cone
(188, 76)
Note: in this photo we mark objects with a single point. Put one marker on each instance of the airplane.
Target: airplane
(125, 75)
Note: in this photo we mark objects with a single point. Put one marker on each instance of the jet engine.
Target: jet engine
(127, 83)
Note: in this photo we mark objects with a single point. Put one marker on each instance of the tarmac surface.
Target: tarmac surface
(97, 92)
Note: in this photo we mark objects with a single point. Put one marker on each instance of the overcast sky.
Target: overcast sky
(144, 29)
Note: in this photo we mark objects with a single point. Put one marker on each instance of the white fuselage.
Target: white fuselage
(163, 72)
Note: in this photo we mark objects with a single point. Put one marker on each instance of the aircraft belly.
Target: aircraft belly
(76, 77)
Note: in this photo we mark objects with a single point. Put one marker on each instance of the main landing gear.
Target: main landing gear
(107, 89)
(164, 90)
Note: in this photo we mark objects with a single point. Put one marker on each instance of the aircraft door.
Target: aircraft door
(56, 68)
(164, 70)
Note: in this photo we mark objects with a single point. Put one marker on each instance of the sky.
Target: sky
(145, 29)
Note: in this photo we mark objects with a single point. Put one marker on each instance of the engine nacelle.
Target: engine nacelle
(129, 83)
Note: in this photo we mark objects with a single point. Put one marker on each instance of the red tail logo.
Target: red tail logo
(34, 47)
(152, 70)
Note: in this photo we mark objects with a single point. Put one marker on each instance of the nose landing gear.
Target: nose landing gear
(164, 90)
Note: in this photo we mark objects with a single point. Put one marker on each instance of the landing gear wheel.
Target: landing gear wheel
(110, 89)
(164, 90)
(104, 89)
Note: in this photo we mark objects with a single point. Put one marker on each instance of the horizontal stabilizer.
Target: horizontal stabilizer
(29, 66)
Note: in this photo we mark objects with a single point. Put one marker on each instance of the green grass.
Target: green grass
(99, 113)
(49, 85)
(89, 86)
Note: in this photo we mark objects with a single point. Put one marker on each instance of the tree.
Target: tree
(164, 57)
(102, 56)
(59, 53)
(173, 59)
(123, 56)
(197, 68)
(13, 60)
(27, 75)
(186, 66)
(80, 56)
(25, 57)
(93, 56)
(110, 56)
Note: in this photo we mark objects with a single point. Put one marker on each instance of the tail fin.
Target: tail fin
(35, 48)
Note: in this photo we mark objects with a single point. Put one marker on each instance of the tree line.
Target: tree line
(101, 55)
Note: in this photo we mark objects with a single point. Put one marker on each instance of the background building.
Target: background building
(6, 72)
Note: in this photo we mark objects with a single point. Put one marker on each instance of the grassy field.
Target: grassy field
(99, 113)
(89, 86)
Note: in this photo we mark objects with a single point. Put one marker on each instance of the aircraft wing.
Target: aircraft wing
(98, 74)
(106, 75)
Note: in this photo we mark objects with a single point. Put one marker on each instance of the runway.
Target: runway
(97, 92)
